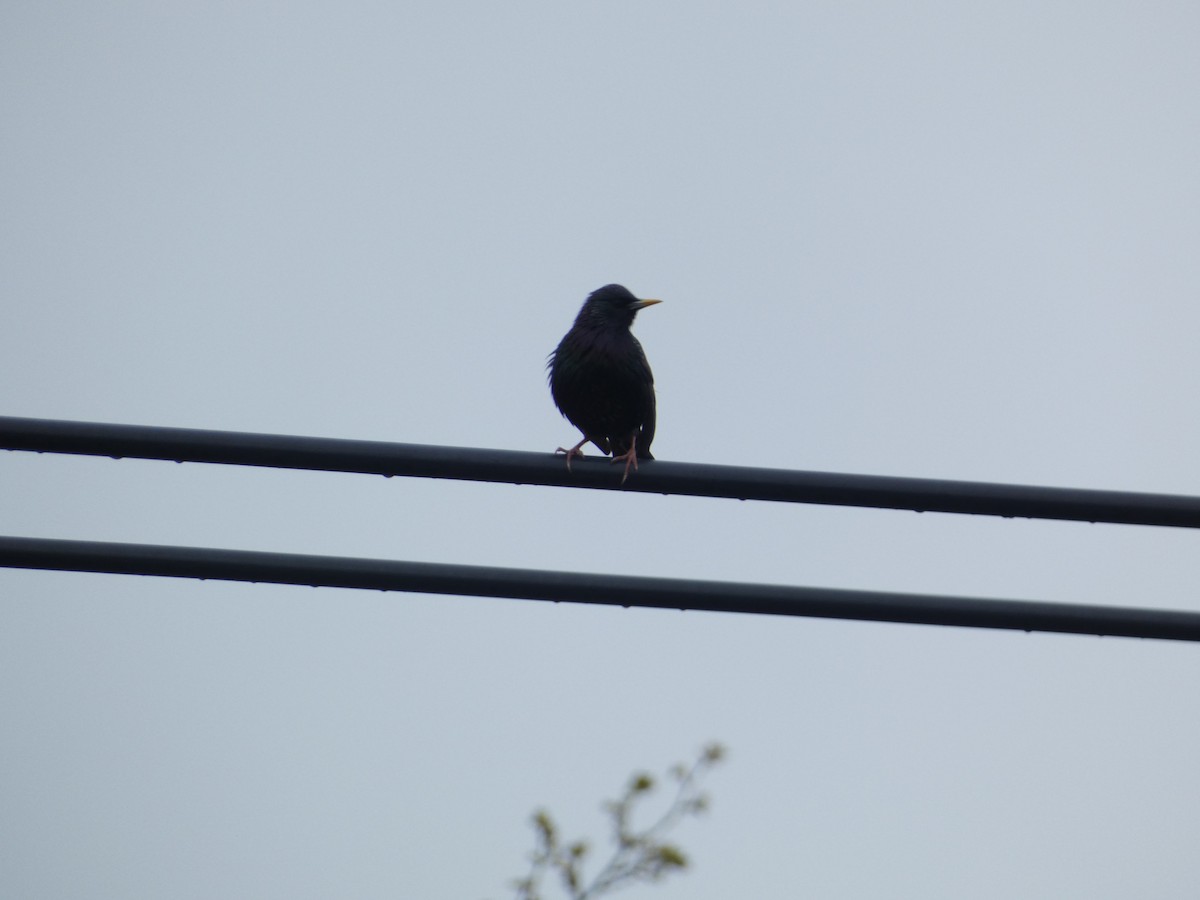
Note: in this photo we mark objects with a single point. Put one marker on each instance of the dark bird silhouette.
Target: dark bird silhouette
(601, 381)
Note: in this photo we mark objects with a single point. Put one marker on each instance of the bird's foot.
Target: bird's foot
(630, 459)
(574, 451)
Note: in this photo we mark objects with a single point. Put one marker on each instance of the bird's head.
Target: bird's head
(612, 305)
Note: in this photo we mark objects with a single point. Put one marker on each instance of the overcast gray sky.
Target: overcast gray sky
(931, 239)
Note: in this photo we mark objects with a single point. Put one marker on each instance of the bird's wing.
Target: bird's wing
(646, 402)
(646, 437)
(575, 393)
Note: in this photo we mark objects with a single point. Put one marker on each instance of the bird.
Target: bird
(600, 379)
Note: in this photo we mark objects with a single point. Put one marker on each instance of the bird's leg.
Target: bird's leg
(629, 458)
(574, 451)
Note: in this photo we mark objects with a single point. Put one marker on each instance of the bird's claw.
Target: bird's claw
(574, 451)
(630, 459)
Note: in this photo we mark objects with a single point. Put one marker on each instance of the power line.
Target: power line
(654, 477)
(612, 590)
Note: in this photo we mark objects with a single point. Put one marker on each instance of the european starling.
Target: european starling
(600, 379)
